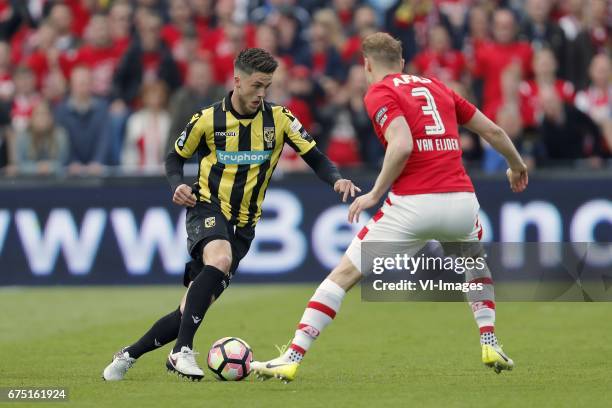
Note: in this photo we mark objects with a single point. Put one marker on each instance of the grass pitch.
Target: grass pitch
(374, 354)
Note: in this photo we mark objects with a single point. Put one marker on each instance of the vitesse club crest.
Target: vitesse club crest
(269, 136)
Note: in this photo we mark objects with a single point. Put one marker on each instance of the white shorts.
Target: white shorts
(414, 220)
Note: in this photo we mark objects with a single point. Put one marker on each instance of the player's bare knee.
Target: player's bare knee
(218, 253)
(223, 262)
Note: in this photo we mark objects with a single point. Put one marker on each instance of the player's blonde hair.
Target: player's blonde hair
(382, 48)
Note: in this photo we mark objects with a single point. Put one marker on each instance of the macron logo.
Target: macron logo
(243, 157)
(196, 319)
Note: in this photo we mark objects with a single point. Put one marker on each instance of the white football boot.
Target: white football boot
(116, 370)
(184, 364)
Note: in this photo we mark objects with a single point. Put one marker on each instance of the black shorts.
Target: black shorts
(206, 223)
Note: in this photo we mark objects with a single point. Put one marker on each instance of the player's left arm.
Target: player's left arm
(328, 172)
(300, 140)
(399, 149)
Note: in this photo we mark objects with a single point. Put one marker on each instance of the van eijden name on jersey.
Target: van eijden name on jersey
(437, 145)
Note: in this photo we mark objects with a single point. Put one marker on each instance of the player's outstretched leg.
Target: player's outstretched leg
(483, 306)
(320, 311)
(162, 332)
(201, 294)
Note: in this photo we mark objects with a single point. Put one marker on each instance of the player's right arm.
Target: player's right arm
(499, 140)
(184, 147)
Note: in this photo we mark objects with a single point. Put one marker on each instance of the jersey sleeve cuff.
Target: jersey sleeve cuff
(181, 153)
(468, 117)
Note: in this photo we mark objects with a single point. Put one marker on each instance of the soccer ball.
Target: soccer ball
(230, 359)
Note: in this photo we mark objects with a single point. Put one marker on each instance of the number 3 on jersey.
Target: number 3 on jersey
(431, 109)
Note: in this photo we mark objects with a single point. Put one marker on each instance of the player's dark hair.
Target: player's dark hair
(383, 48)
(255, 60)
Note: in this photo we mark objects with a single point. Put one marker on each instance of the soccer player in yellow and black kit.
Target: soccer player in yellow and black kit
(238, 141)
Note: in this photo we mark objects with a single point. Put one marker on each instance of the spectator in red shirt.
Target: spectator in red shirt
(81, 13)
(494, 57)
(302, 87)
(364, 23)
(119, 23)
(438, 59)
(187, 49)
(100, 54)
(478, 34)
(216, 41)
(544, 67)
(22, 43)
(226, 40)
(203, 12)
(47, 60)
(233, 40)
(344, 11)
(180, 18)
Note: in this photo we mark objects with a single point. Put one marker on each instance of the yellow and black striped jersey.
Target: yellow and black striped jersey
(238, 153)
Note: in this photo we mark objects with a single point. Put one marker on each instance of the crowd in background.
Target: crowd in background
(92, 85)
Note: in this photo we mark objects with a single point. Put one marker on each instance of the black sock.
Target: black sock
(162, 332)
(203, 288)
(221, 287)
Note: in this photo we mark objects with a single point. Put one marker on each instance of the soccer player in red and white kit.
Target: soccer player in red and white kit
(431, 195)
